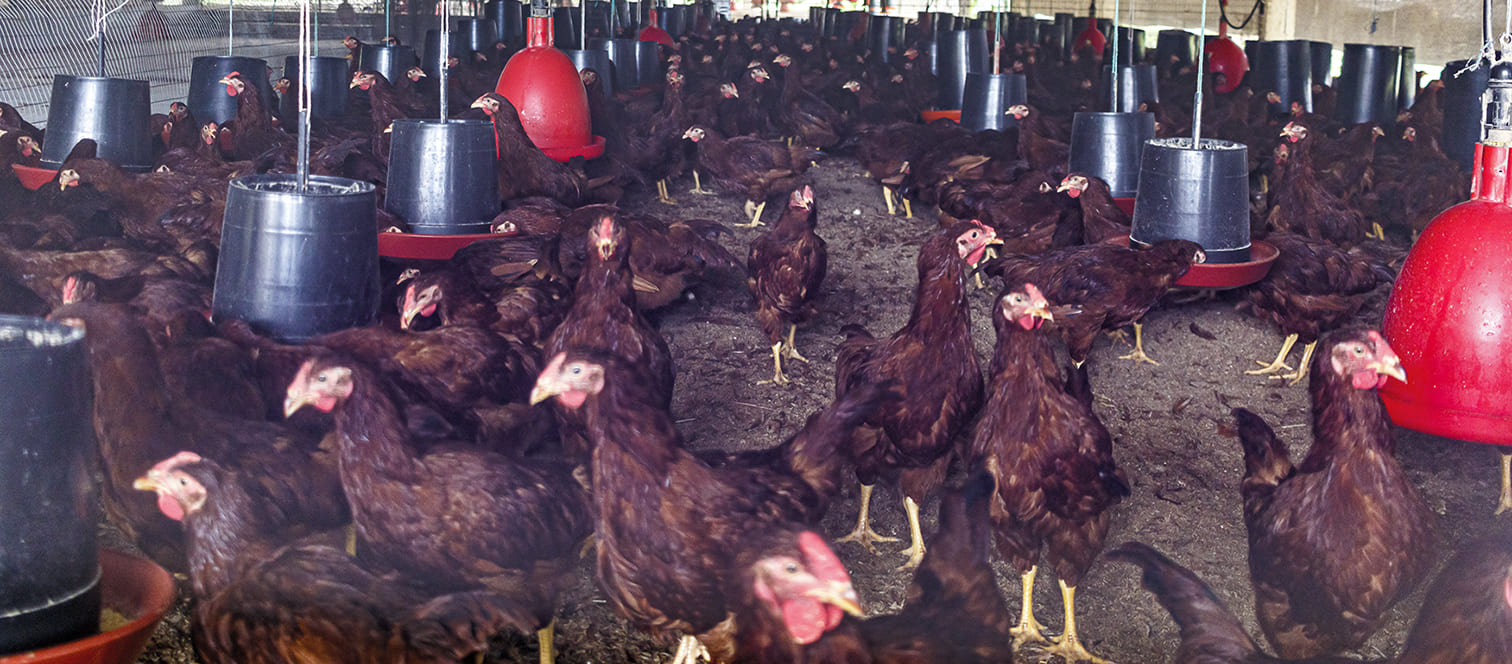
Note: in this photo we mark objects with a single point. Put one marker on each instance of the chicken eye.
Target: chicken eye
(790, 568)
(183, 482)
(320, 378)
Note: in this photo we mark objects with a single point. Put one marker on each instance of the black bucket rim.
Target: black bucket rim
(286, 185)
(1185, 143)
(447, 121)
(37, 332)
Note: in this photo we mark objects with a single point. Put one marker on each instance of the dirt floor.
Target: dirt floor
(1164, 419)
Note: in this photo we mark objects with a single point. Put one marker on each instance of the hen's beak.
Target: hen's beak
(839, 594)
(1040, 312)
(1389, 366)
(145, 483)
(1063, 187)
(542, 391)
(296, 400)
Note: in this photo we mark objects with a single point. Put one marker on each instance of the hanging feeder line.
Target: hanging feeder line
(1201, 74)
(306, 47)
(230, 26)
(1489, 53)
(99, 31)
(1223, 13)
(1113, 69)
(444, 64)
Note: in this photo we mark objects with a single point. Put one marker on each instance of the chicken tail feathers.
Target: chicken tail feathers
(1265, 458)
(1209, 631)
(451, 627)
(816, 453)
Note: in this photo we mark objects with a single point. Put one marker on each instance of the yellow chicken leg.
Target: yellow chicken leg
(1280, 362)
(1376, 232)
(907, 206)
(547, 638)
(1028, 630)
(1138, 355)
(1506, 492)
(689, 651)
(915, 551)
(778, 377)
(1301, 371)
(698, 185)
(1068, 645)
(753, 212)
(987, 255)
(863, 534)
(789, 350)
(887, 197)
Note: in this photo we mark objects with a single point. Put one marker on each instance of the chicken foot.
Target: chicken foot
(661, 193)
(1280, 362)
(1068, 645)
(863, 534)
(1138, 355)
(1028, 630)
(915, 551)
(887, 197)
(789, 349)
(753, 212)
(1301, 370)
(1375, 232)
(778, 378)
(987, 255)
(1506, 488)
(698, 185)
(690, 650)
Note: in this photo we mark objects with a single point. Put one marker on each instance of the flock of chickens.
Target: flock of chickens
(405, 491)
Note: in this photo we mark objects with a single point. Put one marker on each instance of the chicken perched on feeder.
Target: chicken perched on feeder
(1052, 459)
(933, 358)
(786, 267)
(751, 166)
(1338, 539)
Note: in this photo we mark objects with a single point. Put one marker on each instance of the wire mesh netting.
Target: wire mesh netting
(158, 42)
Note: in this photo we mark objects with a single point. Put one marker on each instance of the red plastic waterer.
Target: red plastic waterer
(654, 32)
(1225, 57)
(1091, 39)
(1450, 313)
(544, 87)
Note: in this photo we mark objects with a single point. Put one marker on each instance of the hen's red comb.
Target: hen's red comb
(821, 559)
(182, 458)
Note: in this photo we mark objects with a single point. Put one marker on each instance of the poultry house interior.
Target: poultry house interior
(615, 309)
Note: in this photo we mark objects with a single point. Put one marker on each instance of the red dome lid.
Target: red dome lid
(1090, 38)
(1227, 58)
(654, 33)
(1450, 317)
(545, 88)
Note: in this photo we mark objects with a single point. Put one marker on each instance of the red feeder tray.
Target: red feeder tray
(593, 150)
(1125, 203)
(1449, 314)
(931, 115)
(32, 177)
(134, 587)
(1225, 275)
(425, 247)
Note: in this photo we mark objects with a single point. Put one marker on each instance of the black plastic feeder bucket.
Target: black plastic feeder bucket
(886, 33)
(648, 70)
(1462, 110)
(621, 52)
(565, 29)
(431, 63)
(208, 100)
(1065, 32)
(929, 52)
(596, 60)
(1283, 67)
(328, 87)
(832, 21)
(1322, 62)
(115, 112)
(961, 52)
(507, 15)
(987, 98)
(1027, 31)
(1136, 85)
(1367, 84)
(1110, 146)
(442, 178)
(1177, 47)
(1131, 45)
(478, 33)
(294, 264)
(391, 61)
(816, 18)
(945, 22)
(1407, 79)
(1198, 194)
(675, 20)
(49, 571)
